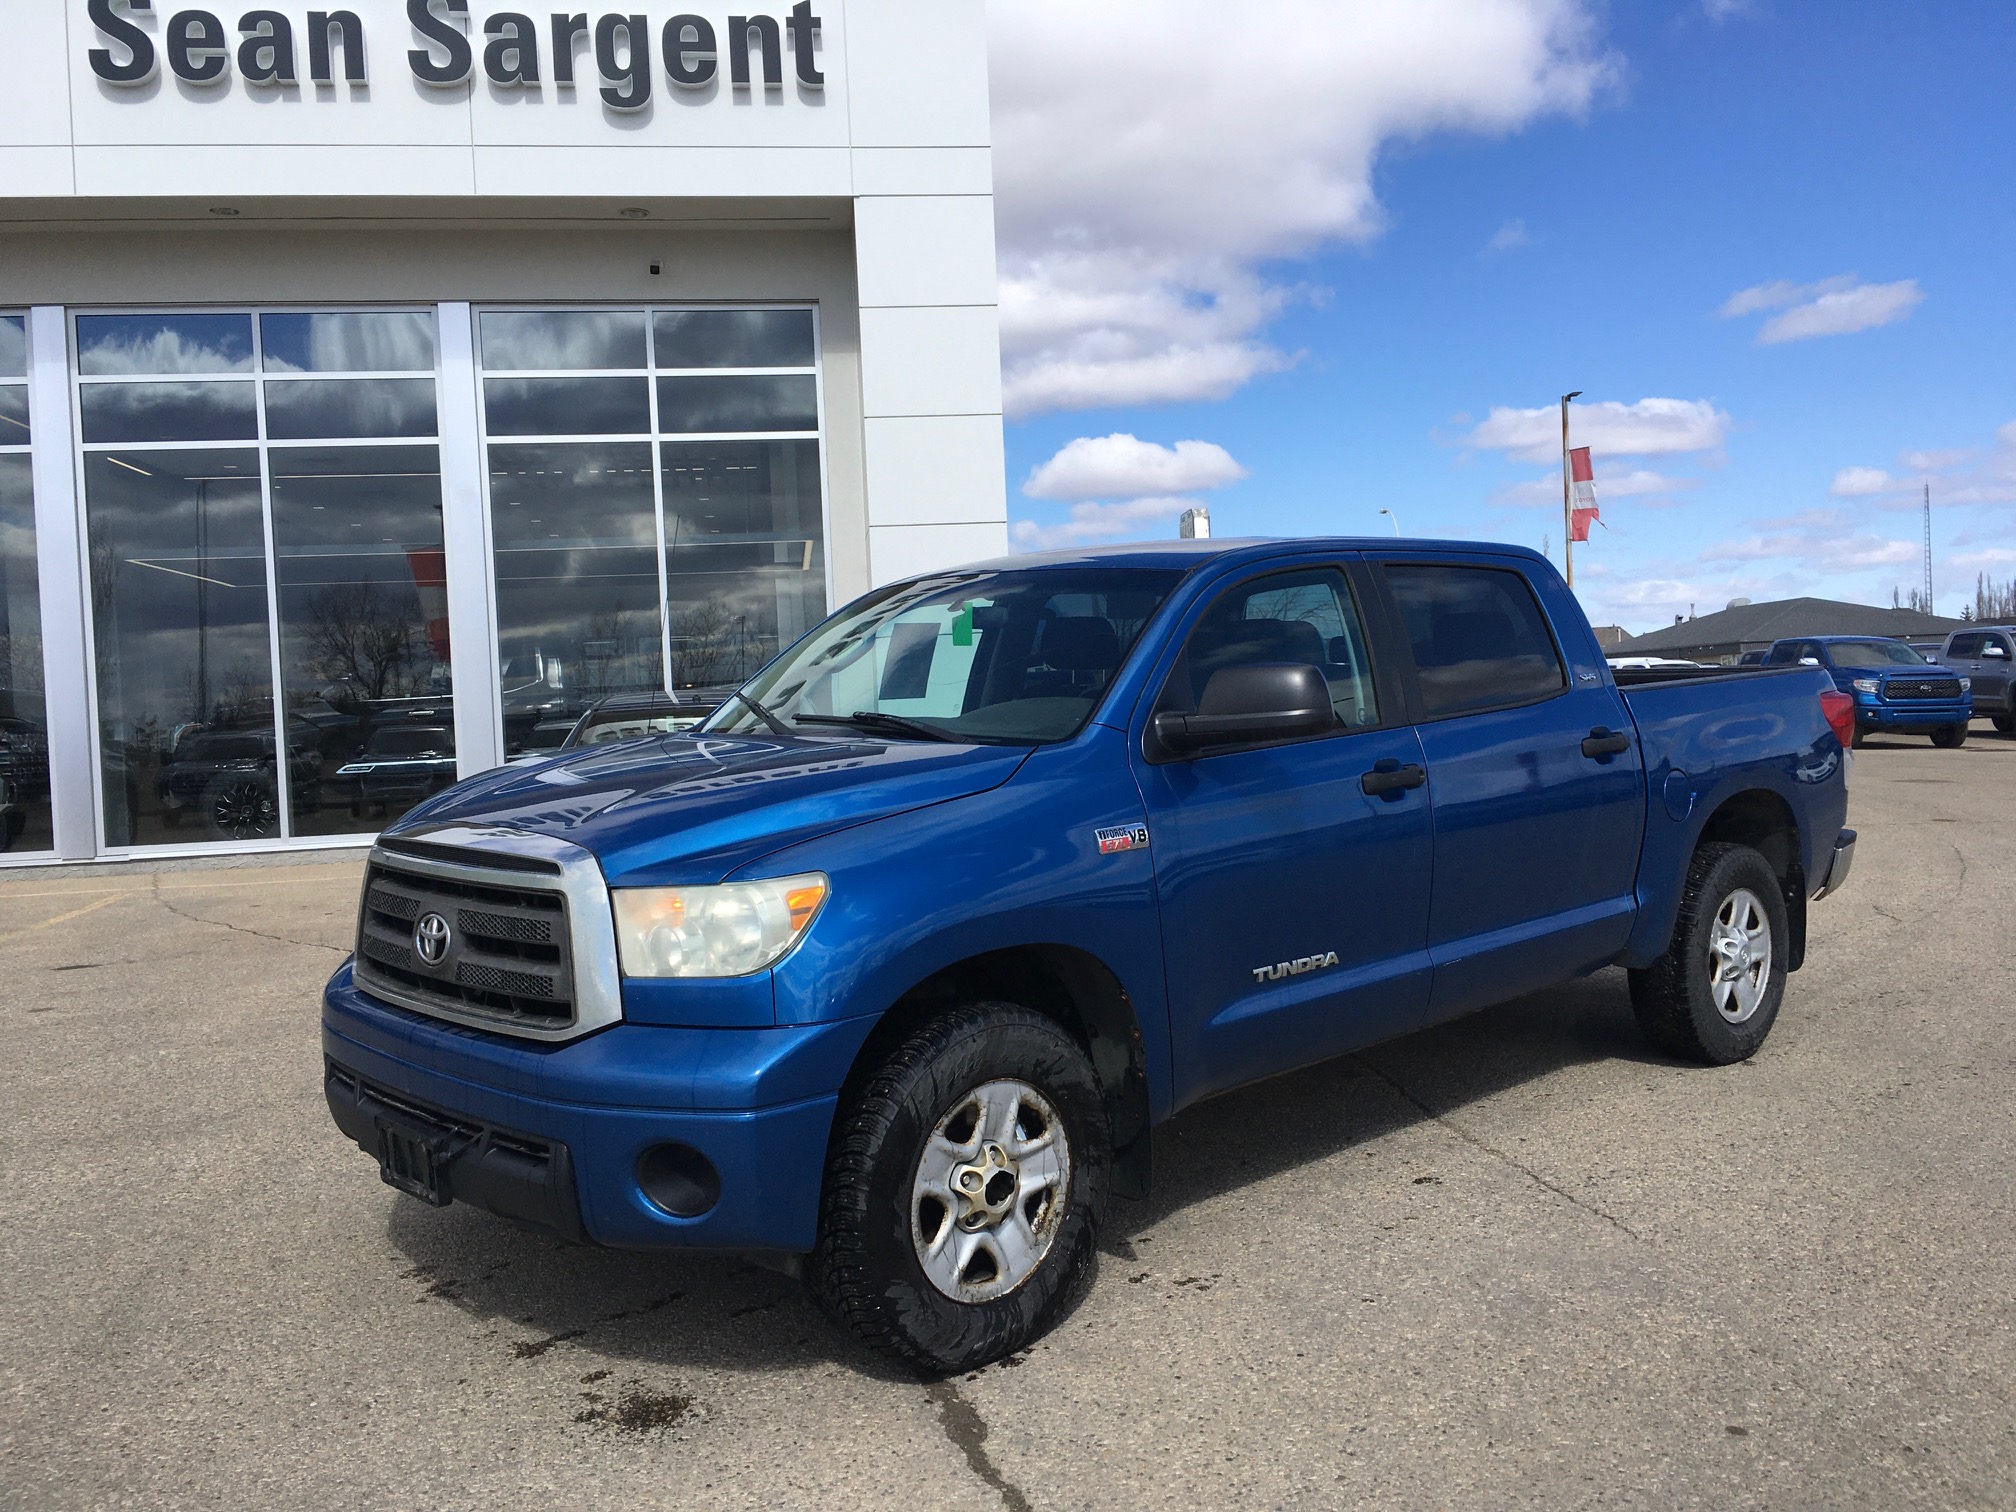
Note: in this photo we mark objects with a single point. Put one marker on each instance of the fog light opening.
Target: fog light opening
(678, 1179)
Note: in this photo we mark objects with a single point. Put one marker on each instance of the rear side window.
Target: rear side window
(1479, 638)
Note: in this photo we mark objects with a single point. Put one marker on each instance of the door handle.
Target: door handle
(1604, 741)
(1389, 776)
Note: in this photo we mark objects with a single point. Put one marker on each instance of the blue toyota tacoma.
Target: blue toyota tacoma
(890, 967)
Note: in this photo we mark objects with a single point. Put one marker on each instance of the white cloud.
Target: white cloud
(1837, 306)
(1121, 466)
(1859, 482)
(1934, 461)
(1152, 155)
(1098, 522)
(1651, 427)
(1509, 237)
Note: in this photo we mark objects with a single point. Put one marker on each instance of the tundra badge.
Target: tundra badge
(1295, 967)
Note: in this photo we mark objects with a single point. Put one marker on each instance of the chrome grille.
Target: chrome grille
(509, 957)
(1922, 687)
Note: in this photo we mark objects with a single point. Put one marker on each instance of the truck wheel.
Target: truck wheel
(964, 1190)
(1946, 737)
(2006, 723)
(1714, 994)
(1859, 739)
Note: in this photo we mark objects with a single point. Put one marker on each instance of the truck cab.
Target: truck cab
(1986, 657)
(1896, 689)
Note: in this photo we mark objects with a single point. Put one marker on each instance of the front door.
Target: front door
(1294, 903)
(1536, 780)
(1992, 674)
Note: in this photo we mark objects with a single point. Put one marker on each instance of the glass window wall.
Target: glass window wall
(24, 731)
(656, 501)
(306, 558)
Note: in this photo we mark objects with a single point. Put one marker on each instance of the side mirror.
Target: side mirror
(1994, 651)
(1809, 661)
(1245, 705)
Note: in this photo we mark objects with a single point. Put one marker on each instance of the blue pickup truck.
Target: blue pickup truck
(1895, 688)
(887, 971)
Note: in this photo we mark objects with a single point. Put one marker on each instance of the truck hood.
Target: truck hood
(691, 809)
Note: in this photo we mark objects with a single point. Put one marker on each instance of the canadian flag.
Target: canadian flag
(430, 577)
(1583, 475)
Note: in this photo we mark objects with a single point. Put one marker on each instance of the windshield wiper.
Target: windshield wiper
(777, 726)
(879, 723)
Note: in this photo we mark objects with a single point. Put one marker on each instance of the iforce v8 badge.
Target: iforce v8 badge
(1124, 837)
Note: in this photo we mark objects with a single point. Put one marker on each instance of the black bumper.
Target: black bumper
(520, 1177)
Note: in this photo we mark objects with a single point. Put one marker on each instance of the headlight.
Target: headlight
(726, 931)
(1966, 683)
(1864, 685)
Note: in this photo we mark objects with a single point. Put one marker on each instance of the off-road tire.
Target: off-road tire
(1672, 997)
(2006, 723)
(1948, 737)
(865, 1271)
(1859, 739)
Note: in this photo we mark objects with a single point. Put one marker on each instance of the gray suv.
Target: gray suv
(1988, 656)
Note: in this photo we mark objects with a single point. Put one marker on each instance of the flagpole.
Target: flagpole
(1567, 495)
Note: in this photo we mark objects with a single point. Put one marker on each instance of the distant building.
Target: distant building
(1726, 635)
(1610, 637)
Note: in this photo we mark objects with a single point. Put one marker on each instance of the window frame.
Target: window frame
(1403, 644)
(1953, 646)
(1394, 709)
(653, 438)
(263, 446)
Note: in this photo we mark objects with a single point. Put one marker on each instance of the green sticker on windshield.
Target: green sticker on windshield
(962, 627)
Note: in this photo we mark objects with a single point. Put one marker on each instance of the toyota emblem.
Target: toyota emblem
(431, 937)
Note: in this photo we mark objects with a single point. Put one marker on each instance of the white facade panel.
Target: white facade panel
(37, 172)
(936, 470)
(898, 551)
(253, 172)
(923, 170)
(943, 360)
(919, 71)
(926, 250)
(646, 172)
(34, 88)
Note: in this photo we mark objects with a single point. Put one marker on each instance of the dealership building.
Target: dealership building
(381, 385)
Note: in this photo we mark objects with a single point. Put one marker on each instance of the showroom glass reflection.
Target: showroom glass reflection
(234, 462)
(656, 500)
(24, 729)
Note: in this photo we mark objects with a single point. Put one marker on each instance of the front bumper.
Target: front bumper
(552, 1134)
(1838, 868)
(1915, 717)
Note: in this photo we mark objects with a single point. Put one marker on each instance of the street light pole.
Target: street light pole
(1394, 518)
(1567, 494)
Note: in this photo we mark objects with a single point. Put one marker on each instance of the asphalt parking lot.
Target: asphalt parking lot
(1516, 1261)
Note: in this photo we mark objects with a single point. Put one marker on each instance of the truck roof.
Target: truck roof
(1183, 555)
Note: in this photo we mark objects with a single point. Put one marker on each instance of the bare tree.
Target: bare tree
(701, 635)
(360, 634)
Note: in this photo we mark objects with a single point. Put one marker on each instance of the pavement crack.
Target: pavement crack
(1492, 1150)
(162, 898)
(967, 1430)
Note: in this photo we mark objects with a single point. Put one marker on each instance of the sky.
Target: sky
(1302, 260)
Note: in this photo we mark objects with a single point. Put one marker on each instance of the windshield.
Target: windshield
(1014, 657)
(1875, 653)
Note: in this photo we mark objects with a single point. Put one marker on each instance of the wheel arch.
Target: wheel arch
(1064, 983)
(1765, 822)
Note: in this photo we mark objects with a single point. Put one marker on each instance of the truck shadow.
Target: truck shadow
(568, 1312)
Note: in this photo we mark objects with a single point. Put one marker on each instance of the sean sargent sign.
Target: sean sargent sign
(517, 50)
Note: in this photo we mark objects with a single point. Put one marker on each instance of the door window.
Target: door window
(1999, 642)
(1478, 636)
(1965, 646)
(1306, 617)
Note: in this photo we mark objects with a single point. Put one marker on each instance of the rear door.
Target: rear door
(1534, 774)
(1294, 903)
